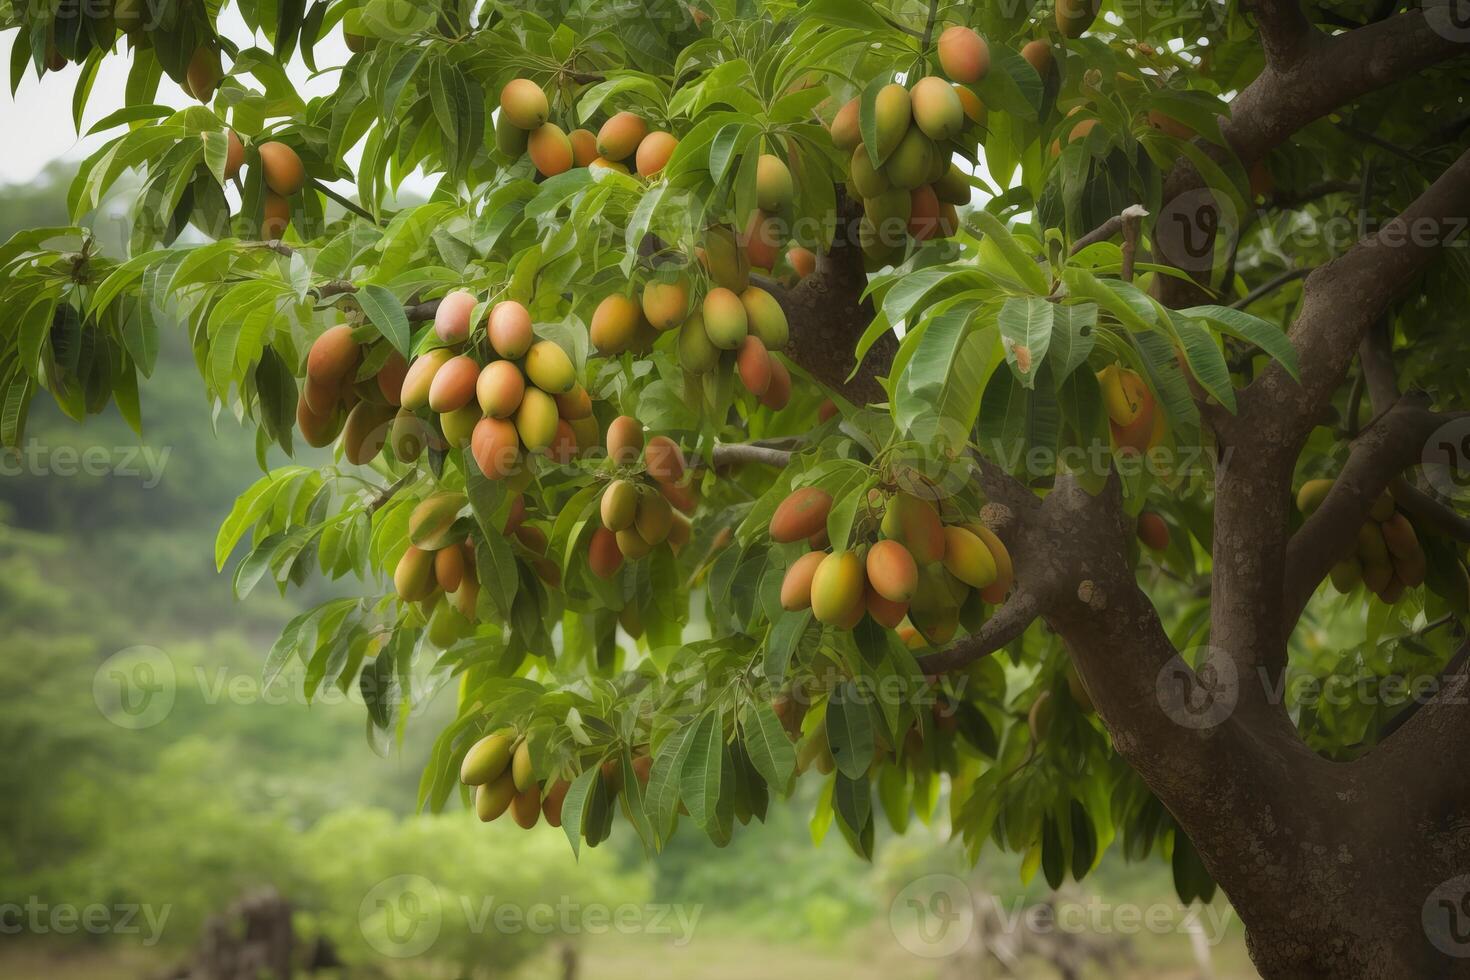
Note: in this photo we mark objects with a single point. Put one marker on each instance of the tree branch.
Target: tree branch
(346, 202)
(1266, 289)
(741, 453)
(1285, 31)
(1009, 621)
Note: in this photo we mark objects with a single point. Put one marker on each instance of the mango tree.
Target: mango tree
(961, 405)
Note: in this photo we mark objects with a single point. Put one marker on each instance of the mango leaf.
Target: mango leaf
(1026, 325)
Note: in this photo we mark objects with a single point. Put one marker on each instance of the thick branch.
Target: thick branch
(1285, 31)
(741, 453)
(1008, 622)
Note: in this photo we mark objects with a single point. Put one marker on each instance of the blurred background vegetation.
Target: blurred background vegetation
(236, 790)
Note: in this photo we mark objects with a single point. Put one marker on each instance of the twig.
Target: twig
(736, 454)
(1131, 221)
(1009, 622)
(1266, 289)
(347, 203)
(387, 493)
(929, 26)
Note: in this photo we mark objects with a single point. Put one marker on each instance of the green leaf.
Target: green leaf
(1206, 362)
(1026, 325)
(770, 751)
(850, 729)
(1022, 264)
(699, 782)
(1252, 329)
(386, 313)
(574, 807)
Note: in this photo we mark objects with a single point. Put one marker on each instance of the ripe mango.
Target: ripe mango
(620, 136)
(846, 132)
(603, 556)
(563, 448)
(725, 320)
(549, 368)
(763, 238)
(276, 217)
(420, 378)
(664, 461)
(319, 429)
(867, 180)
(525, 808)
(536, 419)
(892, 571)
(510, 139)
(803, 261)
(632, 545)
(602, 163)
(366, 432)
(938, 626)
(654, 153)
(837, 590)
(202, 76)
(1074, 17)
(614, 323)
(778, 395)
(453, 386)
(524, 105)
(494, 798)
(390, 379)
(1152, 531)
(449, 567)
(908, 165)
(1005, 574)
(584, 147)
(885, 612)
(499, 389)
(937, 108)
(967, 558)
(431, 524)
(452, 318)
(521, 768)
(533, 538)
(923, 214)
(653, 518)
(1399, 537)
(550, 149)
(753, 365)
(459, 425)
(963, 55)
(333, 357)
(915, 524)
(574, 405)
(1311, 495)
(774, 189)
(409, 437)
(624, 440)
(496, 448)
(552, 800)
(727, 261)
(680, 532)
(975, 110)
(765, 318)
(486, 759)
(796, 585)
(802, 514)
(892, 111)
(413, 579)
(666, 302)
(696, 353)
(281, 168)
(1038, 55)
(683, 498)
(953, 188)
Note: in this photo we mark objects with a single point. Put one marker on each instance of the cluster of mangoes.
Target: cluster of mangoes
(524, 126)
(440, 556)
(351, 389)
(640, 510)
(503, 772)
(1388, 559)
(739, 322)
(1134, 421)
(919, 569)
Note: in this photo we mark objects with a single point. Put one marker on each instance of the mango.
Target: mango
(521, 768)
(803, 261)
(1372, 548)
(452, 318)
(202, 76)
(937, 109)
(953, 188)
(449, 567)
(664, 461)
(683, 497)
(624, 440)
(892, 571)
(532, 537)
(1399, 537)
(549, 368)
(1383, 508)
(631, 544)
(525, 807)
(774, 190)
(892, 111)
(1168, 125)
(1311, 495)
(552, 800)
(575, 404)
(963, 55)
(524, 105)
(536, 419)
(938, 626)
(614, 323)
(846, 132)
(727, 261)
(885, 612)
(888, 214)
(602, 163)
(974, 108)
(908, 165)
(486, 759)
(654, 153)
(753, 365)
(654, 518)
(725, 320)
(459, 425)
(923, 214)
(420, 378)
(281, 168)
(666, 302)
(778, 395)
(390, 377)
(867, 180)
(1038, 55)
(1074, 17)
(500, 388)
(1347, 575)
(1152, 531)
(603, 556)
(333, 357)
(366, 432)
(495, 447)
(802, 514)
(319, 429)
(763, 240)
(494, 798)
(765, 318)
(967, 558)
(1377, 576)
(680, 531)
(413, 579)
(550, 149)
(276, 217)
(796, 584)
(431, 523)
(409, 437)
(1005, 573)
(563, 448)
(584, 147)
(915, 524)
(510, 139)
(697, 354)
(837, 590)
(620, 136)
(453, 386)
